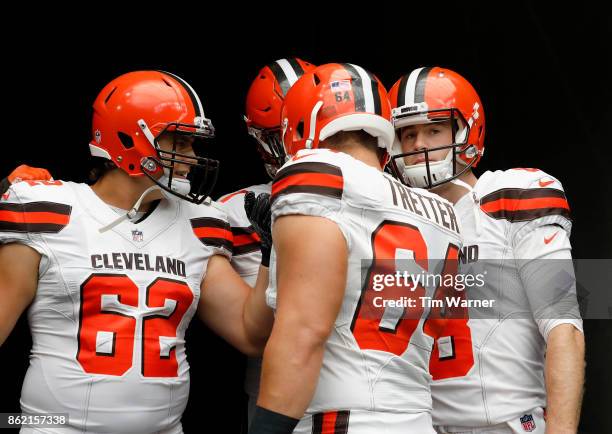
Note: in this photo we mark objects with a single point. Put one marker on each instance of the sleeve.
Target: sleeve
(214, 232)
(25, 219)
(542, 203)
(547, 273)
(310, 187)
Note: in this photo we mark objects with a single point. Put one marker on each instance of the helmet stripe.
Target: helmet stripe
(375, 93)
(401, 92)
(409, 94)
(195, 100)
(421, 81)
(280, 76)
(290, 72)
(357, 86)
(366, 85)
(299, 71)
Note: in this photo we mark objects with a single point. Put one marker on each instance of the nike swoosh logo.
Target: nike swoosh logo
(295, 157)
(546, 183)
(548, 240)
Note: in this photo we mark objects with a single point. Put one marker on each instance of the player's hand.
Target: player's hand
(27, 173)
(259, 214)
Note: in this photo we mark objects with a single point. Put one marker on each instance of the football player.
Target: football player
(263, 114)
(336, 360)
(113, 273)
(528, 362)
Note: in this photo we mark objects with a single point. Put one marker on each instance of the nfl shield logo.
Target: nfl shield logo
(528, 423)
(136, 235)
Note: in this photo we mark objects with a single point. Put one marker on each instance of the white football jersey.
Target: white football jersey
(376, 358)
(510, 218)
(111, 309)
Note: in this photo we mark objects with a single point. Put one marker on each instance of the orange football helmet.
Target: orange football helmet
(435, 94)
(130, 114)
(332, 98)
(263, 107)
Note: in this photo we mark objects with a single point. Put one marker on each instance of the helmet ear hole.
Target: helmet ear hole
(126, 140)
(316, 79)
(300, 128)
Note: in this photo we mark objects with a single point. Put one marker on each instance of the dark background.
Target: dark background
(543, 74)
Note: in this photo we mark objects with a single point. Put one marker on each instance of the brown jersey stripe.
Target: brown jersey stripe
(210, 222)
(246, 240)
(522, 193)
(313, 179)
(308, 167)
(213, 232)
(241, 230)
(217, 242)
(335, 193)
(245, 248)
(35, 217)
(528, 215)
(309, 177)
(43, 228)
(317, 423)
(331, 422)
(520, 205)
(524, 204)
(51, 207)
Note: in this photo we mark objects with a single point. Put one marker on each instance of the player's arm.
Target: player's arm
(18, 283)
(564, 379)
(312, 260)
(24, 173)
(547, 274)
(234, 310)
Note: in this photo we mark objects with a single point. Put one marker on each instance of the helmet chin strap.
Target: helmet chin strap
(461, 183)
(476, 202)
(131, 214)
(313, 124)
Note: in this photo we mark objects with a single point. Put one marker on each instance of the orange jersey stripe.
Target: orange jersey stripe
(525, 204)
(34, 217)
(204, 232)
(242, 240)
(229, 196)
(310, 179)
(329, 423)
